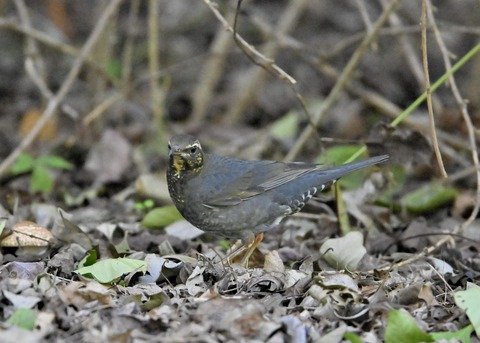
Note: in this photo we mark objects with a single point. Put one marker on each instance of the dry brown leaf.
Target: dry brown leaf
(30, 118)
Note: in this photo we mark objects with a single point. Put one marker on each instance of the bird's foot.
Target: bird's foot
(246, 249)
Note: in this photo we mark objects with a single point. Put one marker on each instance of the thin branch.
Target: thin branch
(11, 24)
(342, 81)
(268, 63)
(366, 19)
(32, 52)
(428, 90)
(466, 117)
(156, 92)
(408, 51)
(127, 55)
(437, 84)
(471, 135)
(211, 72)
(55, 101)
(34, 64)
(286, 22)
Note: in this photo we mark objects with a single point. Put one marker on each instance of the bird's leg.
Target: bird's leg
(253, 242)
(251, 248)
(231, 256)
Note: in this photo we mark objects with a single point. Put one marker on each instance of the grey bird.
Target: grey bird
(238, 199)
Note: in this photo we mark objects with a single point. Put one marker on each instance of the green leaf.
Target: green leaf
(144, 205)
(352, 337)
(338, 154)
(149, 203)
(24, 318)
(41, 181)
(154, 301)
(402, 328)
(428, 198)
(114, 68)
(462, 335)
(110, 270)
(161, 216)
(224, 244)
(23, 164)
(54, 161)
(469, 301)
(89, 259)
(285, 127)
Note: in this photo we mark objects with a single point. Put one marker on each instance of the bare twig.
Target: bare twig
(286, 22)
(54, 102)
(342, 81)
(11, 24)
(32, 52)
(157, 96)
(102, 53)
(34, 64)
(211, 71)
(101, 108)
(466, 117)
(263, 60)
(127, 56)
(433, 132)
(471, 135)
(370, 97)
(366, 19)
(390, 31)
(256, 56)
(390, 109)
(409, 52)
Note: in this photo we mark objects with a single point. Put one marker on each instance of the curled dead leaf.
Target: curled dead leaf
(29, 238)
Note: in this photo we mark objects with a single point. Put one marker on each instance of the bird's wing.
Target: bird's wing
(259, 177)
(242, 180)
(278, 173)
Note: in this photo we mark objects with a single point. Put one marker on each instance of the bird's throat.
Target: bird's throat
(178, 164)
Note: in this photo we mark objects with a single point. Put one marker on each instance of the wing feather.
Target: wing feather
(259, 178)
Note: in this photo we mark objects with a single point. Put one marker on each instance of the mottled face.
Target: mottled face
(185, 154)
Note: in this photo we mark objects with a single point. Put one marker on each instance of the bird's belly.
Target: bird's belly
(253, 215)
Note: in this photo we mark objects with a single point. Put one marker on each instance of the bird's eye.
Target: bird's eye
(193, 150)
(169, 146)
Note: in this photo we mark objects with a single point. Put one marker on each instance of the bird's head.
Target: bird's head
(185, 155)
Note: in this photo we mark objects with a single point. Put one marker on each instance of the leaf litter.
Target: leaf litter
(195, 297)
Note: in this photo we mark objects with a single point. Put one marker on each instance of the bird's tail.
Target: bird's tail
(337, 172)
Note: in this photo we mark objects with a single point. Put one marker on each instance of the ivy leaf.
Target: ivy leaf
(161, 216)
(23, 164)
(469, 301)
(402, 328)
(41, 181)
(23, 318)
(54, 161)
(110, 270)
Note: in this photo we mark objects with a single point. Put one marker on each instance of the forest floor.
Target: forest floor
(90, 93)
